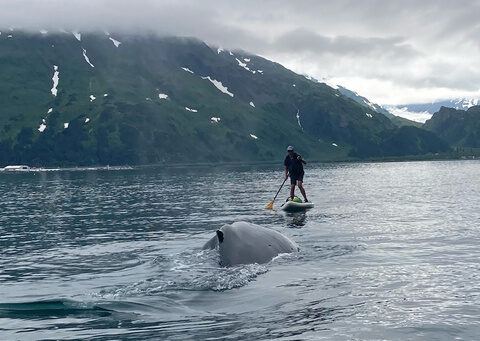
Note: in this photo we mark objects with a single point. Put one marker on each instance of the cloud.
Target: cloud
(418, 47)
(304, 41)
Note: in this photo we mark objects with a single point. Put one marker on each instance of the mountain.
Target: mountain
(397, 120)
(460, 128)
(80, 99)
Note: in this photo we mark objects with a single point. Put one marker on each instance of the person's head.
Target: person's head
(290, 150)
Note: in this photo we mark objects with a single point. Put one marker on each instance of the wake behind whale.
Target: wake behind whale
(246, 243)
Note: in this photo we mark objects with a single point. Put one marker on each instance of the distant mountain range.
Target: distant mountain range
(81, 99)
(423, 111)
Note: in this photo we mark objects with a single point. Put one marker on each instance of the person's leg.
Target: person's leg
(292, 191)
(300, 187)
(293, 181)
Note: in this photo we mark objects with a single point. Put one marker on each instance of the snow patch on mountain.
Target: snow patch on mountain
(86, 58)
(191, 110)
(298, 119)
(370, 105)
(77, 35)
(417, 116)
(465, 103)
(115, 42)
(219, 86)
(244, 65)
(187, 70)
(55, 80)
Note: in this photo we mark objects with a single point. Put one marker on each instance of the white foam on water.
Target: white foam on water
(10, 36)
(260, 71)
(334, 144)
(86, 58)
(115, 42)
(191, 110)
(162, 96)
(55, 80)
(219, 86)
(255, 137)
(42, 127)
(43, 32)
(49, 110)
(293, 85)
(92, 98)
(368, 115)
(105, 95)
(65, 125)
(215, 119)
(253, 105)
(87, 120)
(246, 59)
(77, 35)
(187, 70)
(219, 50)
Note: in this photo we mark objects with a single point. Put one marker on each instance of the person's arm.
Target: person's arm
(301, 160)
(286, 172)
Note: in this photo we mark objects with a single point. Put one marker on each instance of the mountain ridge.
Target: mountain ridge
(81, 99)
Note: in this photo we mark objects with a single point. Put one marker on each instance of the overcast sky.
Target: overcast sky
(392, 52)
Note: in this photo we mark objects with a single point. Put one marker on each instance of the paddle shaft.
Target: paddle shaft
(283, 183)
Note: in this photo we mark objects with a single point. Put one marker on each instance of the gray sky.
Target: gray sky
(392, 52)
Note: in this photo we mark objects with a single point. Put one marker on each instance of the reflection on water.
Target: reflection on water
(390, 251)
(297, 220)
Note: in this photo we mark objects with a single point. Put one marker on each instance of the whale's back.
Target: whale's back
(245, 243)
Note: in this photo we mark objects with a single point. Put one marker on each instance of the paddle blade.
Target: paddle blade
(269, 205)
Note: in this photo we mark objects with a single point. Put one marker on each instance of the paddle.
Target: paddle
(270, 204)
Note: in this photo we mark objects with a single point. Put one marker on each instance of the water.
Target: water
(391, 251)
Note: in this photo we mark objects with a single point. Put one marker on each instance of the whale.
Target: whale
(246, 243)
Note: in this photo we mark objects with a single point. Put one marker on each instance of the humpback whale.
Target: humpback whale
(246, 243)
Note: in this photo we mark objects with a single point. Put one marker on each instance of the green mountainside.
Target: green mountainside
(124, 99)
(460, 128)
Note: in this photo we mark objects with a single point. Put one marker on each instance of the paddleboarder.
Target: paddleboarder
(294, 167)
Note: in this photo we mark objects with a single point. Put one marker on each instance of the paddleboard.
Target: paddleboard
(292, 206)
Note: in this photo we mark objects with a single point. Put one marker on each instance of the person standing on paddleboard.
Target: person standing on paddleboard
(294, 167)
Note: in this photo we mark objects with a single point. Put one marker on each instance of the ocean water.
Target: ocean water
(391, 251)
